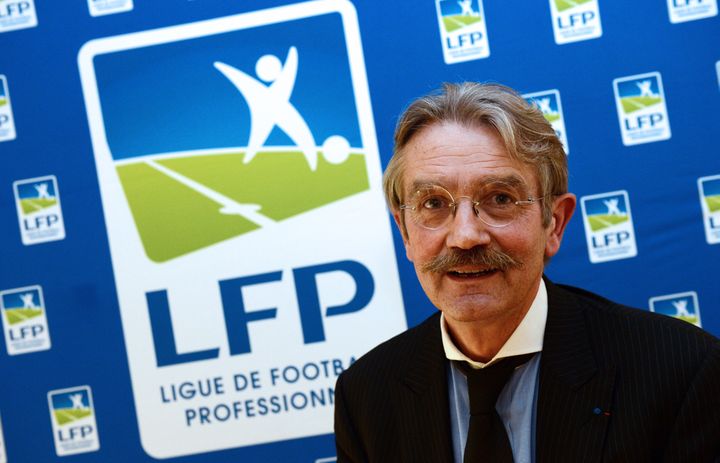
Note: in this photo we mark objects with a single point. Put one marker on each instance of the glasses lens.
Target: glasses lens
(497, 208)
(431, 207)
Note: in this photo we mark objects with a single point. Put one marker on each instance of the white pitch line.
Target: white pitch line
(229, 206)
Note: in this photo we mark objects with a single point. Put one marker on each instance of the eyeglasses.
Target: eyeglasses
(433, 207)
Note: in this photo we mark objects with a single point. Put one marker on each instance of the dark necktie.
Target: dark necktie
(487, 440)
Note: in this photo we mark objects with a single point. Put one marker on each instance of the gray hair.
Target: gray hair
(526, 134)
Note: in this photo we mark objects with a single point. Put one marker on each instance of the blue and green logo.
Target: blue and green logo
(602, 213)
(70, 406)
(547, 103)
(211, 141)
(21, 306)
(563, 5)
(711, 194)
(35, 196)
(683, 306)
(639, 93)
(457, 14)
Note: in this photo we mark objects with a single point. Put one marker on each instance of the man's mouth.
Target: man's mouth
(472, 273)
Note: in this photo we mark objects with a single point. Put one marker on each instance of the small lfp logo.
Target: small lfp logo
(7, 123)
(38, 207)
(689, 10)
(641, 109)
(609, 229)
(73, 421)
(17, 14)
(462, 30)
(103, 7)
(549, 103)
(680, 305)
(24, 320)
(575, 20)
(709, 188)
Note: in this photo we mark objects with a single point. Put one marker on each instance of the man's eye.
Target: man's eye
(501, 199)
(434, 202)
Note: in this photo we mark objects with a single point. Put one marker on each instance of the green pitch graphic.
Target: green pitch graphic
(552, 117)
(458, 21)
(14, 316)
(36, 204)
(563, 5)
(186, 204)
(688, 318)
(68, 415)
(635, 103)
(713, 203)
(600, 221)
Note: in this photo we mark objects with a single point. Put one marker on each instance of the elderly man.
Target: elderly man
(514, 367)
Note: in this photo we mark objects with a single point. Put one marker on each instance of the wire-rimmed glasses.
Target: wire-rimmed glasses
(433, 207)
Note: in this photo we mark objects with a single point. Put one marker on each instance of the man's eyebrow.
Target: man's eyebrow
(510, 180)
(420, 184)
(505, 180)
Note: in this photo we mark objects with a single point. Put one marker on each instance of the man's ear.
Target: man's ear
(403, 232)
(562, 210)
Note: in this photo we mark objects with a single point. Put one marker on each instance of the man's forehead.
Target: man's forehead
(508, 180)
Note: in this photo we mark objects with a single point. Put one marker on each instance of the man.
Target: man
(478, 188)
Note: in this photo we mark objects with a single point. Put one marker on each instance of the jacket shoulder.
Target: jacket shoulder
(623, 328)
(391, 357)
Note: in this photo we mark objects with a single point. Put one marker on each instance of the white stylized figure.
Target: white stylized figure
(27, 300)
(42, 190)
(681, 308)
(466, 6)
(644, 86)
(612, 206)
(270, 104)
(77, 403)
(544, 105)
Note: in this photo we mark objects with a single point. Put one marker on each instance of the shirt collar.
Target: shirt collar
(527, 337)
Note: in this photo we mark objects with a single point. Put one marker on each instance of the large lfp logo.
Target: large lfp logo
(462, 30)
(73, 421)
(680, 305)
(609, 227)
(24, 320)
(709, 188)
(641, 109)
(252, 251)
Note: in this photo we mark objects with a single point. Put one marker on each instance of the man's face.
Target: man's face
(465, 161)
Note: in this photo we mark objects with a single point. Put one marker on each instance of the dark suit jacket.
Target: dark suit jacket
(656, 380)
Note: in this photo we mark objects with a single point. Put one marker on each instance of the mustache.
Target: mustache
(477, 256)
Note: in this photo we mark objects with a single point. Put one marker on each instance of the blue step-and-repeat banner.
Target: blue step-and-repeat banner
(194, 242)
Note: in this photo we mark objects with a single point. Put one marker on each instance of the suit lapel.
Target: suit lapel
(426, 407)
(575, 393)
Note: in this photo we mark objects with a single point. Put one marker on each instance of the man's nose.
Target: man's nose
(466, 230)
